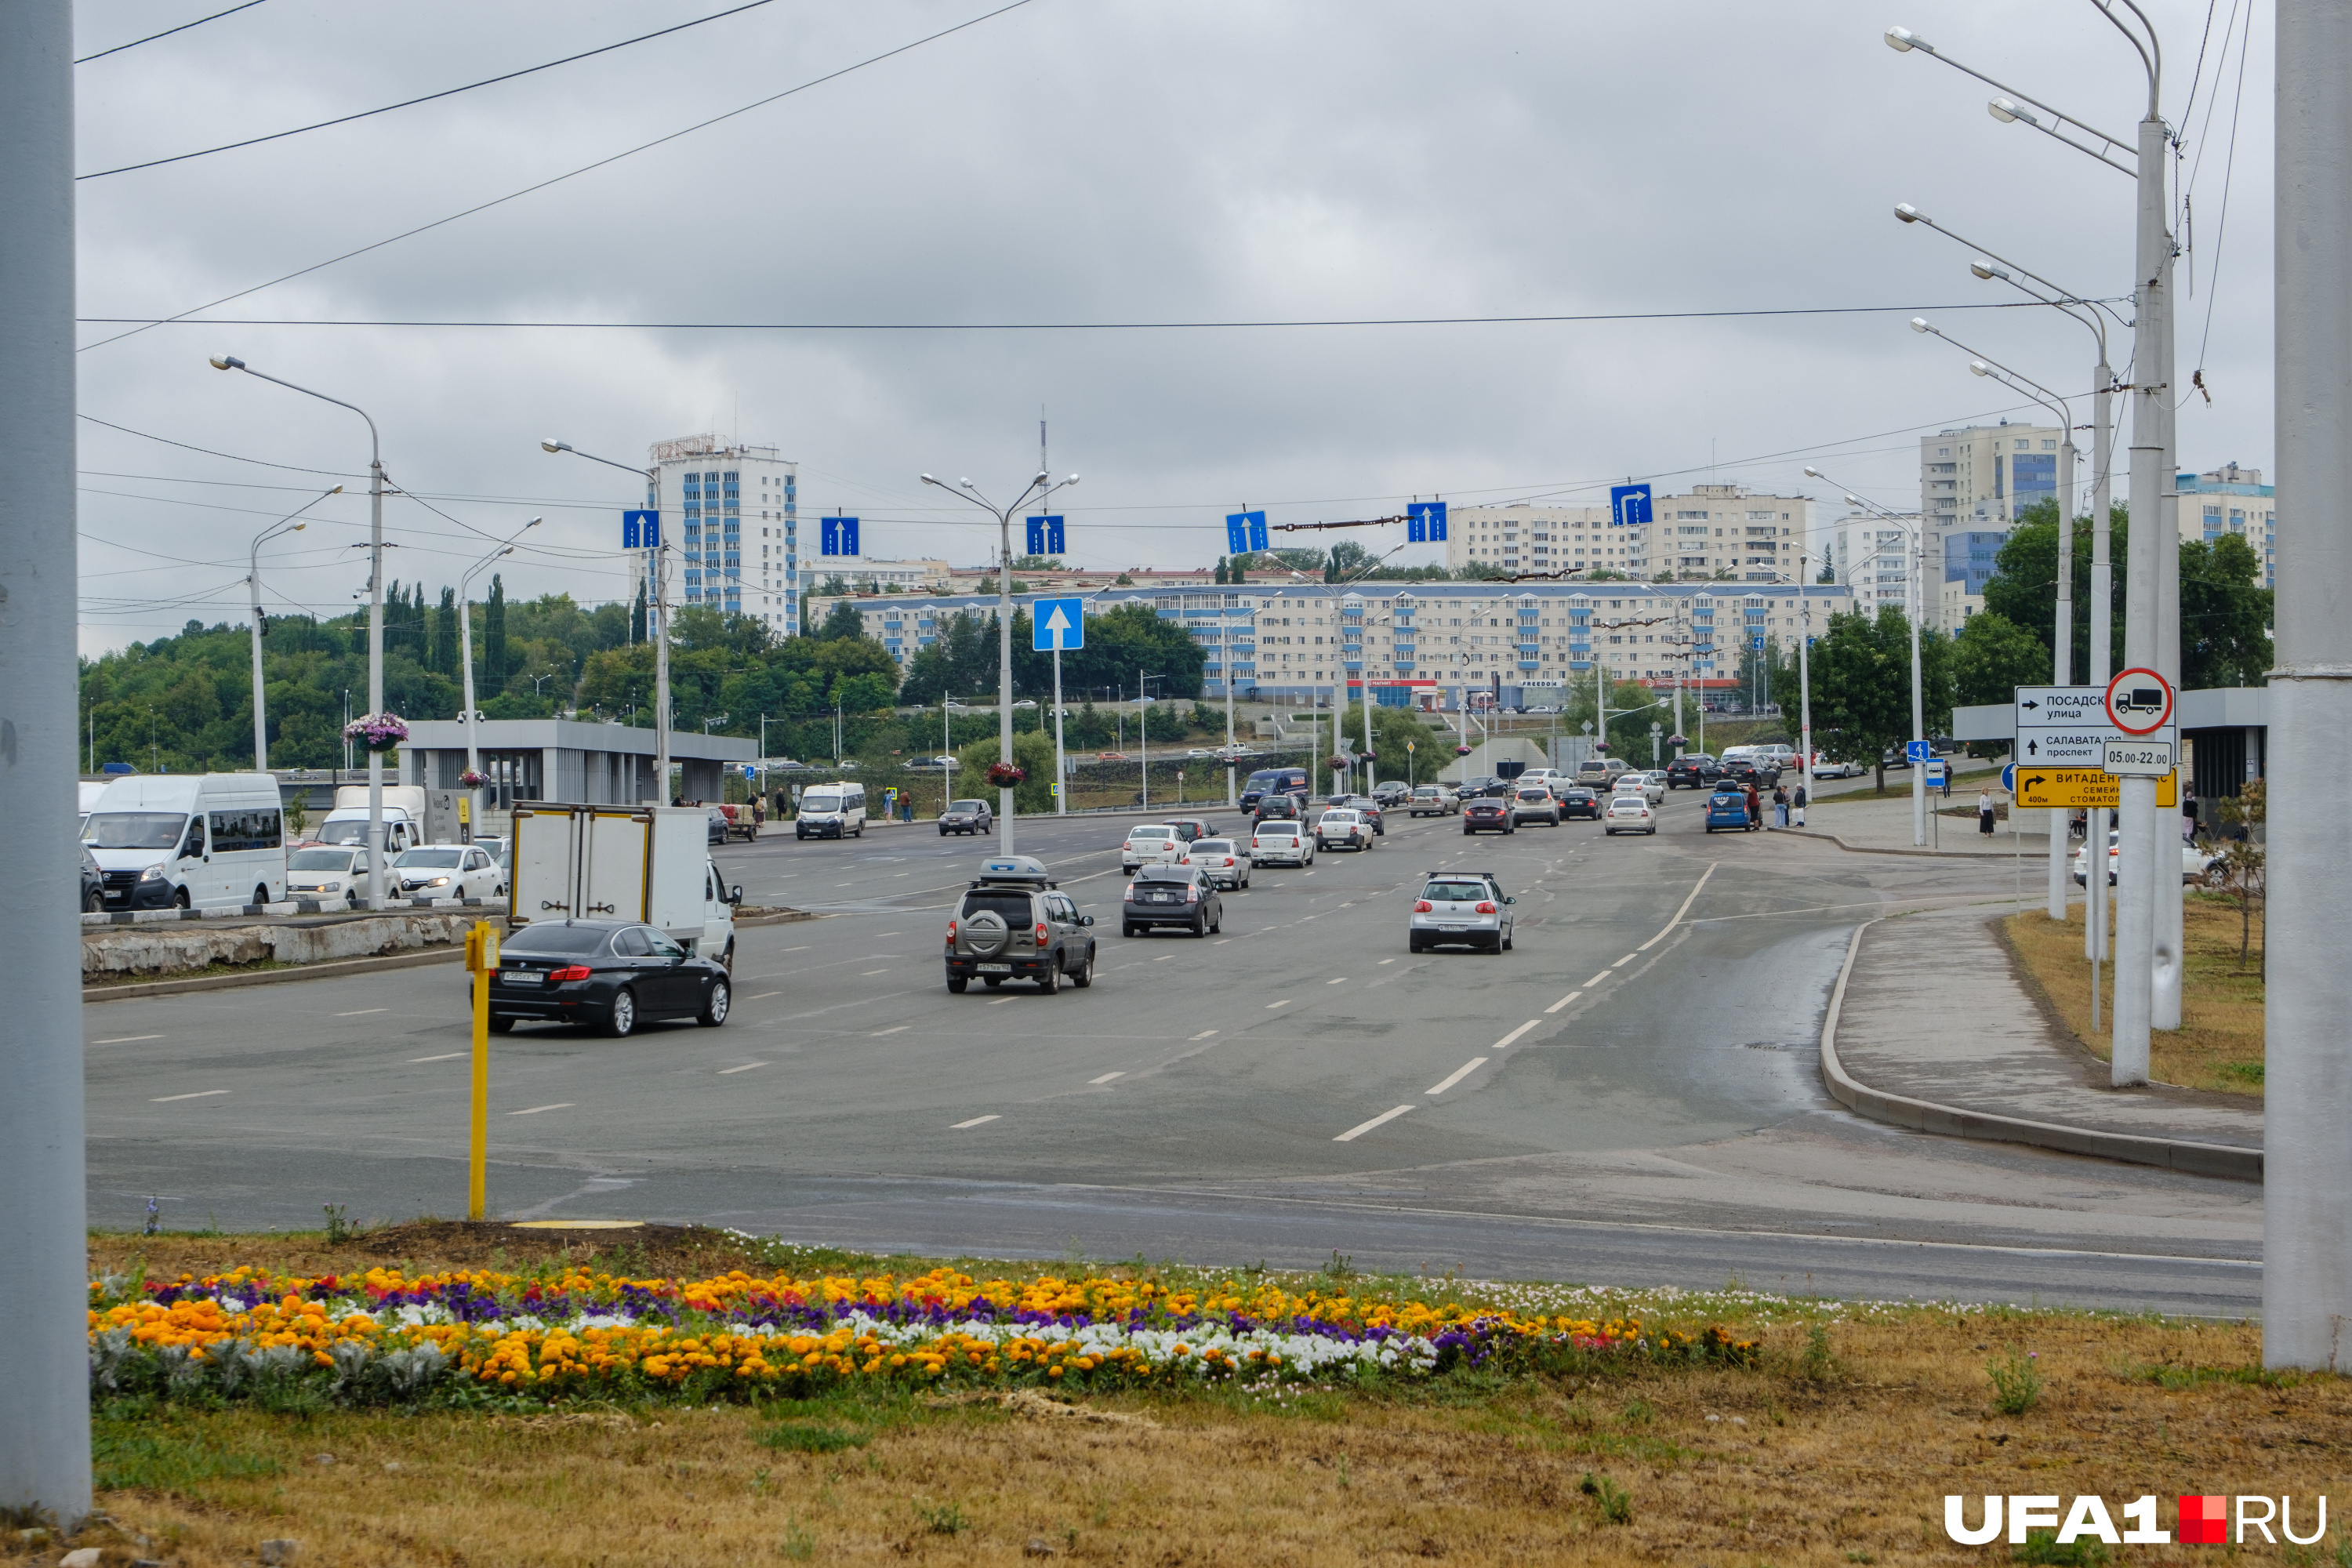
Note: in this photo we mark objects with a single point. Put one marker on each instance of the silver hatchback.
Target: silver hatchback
(1468, 908)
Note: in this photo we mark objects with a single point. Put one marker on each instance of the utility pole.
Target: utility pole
(2308, 1259)
(44, 1242)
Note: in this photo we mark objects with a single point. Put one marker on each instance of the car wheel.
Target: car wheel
(799, 835)
(624, 1021)
(92, 903)
(957, 984)
(1050, 983)
(1082, 975)
(1414, 944)
(1128, 928)
(943, 833)
(501, 1026)
(1507, 937)
(715, 1005)
(1467, 830)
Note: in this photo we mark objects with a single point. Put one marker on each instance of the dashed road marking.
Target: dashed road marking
(763, 996)
(1202, 1036)
(1353, 1133)
(999, 1001)
(973, 1123)
(899, 1028)
(868, 973)
(126, 1039)
(1563, 1001)
(1271, 1006)
(444, 1056)
(747, 1067)
(1504, 1043)
(1107, 1077)
(200, 1094)
(1456, 1076)
(362, 1012)
(1163, 958)
(802, 948)
(1388, 961)
(1624, 961)
(1596, 979)
(534, 1110)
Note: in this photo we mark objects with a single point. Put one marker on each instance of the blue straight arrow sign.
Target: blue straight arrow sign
(1244, 533)
(839, 536)
(1425, 523)
(1044, 535)
(1058, 623)
(641, 531)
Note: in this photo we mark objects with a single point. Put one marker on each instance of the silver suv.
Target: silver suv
(1012, 923)
(1465, 906)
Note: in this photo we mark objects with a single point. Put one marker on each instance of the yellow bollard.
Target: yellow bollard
(481, 962)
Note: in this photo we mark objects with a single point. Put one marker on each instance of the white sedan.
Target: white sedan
(1651, 787)
(1155, 844)
(1629, 812)
(1341, 829)
(1222, 861)
(2194, 862)
(446, 871)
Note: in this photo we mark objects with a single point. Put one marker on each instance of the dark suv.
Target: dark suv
(1012, 924)
(1692, 769)
(1762, 771)
(1277, 807)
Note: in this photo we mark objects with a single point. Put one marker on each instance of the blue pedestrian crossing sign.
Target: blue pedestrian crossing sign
(1914, 751)
(839, 536)
(1629, 504)
(1757, 642)
(641, 531)
(1425, 523)
(1244, 533)
(1058, 623)
(1044, 535)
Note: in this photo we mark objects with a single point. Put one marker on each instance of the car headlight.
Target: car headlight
(438, 882)
(153, 874)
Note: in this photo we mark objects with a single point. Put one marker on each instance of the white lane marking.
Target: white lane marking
(763, 996)
(534, 1110)
(1597, 979)
(802, 948)
(1000, 1001)
(1353, 1133)
(900, 1028)
(1341, 981)
(1563, 1001)
(1107, 1077)
(902, 873)
(747, 1067)
(445, 1056)
(363, 1012)
(1458, 1074)
(200, 1094)
(1624, 961)
(1504, 1043)
(888, 934)
(1163, 958)
(973, 1123)
(1202, 1036)
(1271, 1006)
(126, 1039)
(1686, 909)
(868, 973)
(1221, 942)
(845, 884)
(1388, 961)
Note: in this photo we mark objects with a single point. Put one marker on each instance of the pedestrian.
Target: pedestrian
(1948, 781)
(1754, 803)
(1800, 803)
(759, 811)
(1779, 806)
(1984, 811)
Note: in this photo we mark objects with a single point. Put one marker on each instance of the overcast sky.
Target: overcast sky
(1091, 160)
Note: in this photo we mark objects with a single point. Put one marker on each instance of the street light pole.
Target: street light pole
(376, 856)
(660, 574)
(465, 655)
(253, 582)
(1915, 587)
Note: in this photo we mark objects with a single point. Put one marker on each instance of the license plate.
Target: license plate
(519, 977)
(1453, 930)
(996, 968)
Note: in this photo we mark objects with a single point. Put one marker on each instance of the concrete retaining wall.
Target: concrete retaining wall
(161, 949)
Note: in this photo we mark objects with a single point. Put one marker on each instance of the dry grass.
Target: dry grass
(1837, 1459)
(2220, 1042)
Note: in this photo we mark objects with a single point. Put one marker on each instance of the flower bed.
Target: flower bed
(383, 1338)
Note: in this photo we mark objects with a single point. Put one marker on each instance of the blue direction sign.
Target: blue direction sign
(1044, 535)
(1244, 533)
(2008, 778)
(1757, 642)
(1058, 623)
(1425, 523)
(641, 531)
(839, 536)
(1629, 504)
(1914, 751)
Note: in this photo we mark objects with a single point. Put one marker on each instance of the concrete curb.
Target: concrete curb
(1926, 1116)
(1871, 850)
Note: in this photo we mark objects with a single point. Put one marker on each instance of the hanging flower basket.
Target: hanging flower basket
(1334, 763)
(378, 732)
(1461, 751)
(470, 779)
(1005, 775)
(1368, 756)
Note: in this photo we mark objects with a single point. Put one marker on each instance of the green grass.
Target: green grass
(138, 1455)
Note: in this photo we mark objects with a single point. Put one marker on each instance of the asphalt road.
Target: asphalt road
(1630, 1096)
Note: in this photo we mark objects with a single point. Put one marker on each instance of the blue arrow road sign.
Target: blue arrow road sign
(1425, 523)
(2008, 778)
(1757, 642)
(1044, 535)
(1914, 751)
(1629, 504)
(839, 536)
(641, 531)
(1245, 532)
(1058, 623)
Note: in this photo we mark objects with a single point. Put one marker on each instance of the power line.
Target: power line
(167, 32)
(574, 174)
(144, 323)
(207, 451)
(411, 102)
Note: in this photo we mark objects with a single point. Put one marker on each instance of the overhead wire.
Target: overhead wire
(167, 32)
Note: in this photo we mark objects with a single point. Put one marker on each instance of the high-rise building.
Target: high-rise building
(1979, 480)
(2231, 500)
(1715, 532)
(732, 515)
(1871, 554)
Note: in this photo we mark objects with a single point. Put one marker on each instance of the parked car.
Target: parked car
(1465, 908)
(1651, 787)
(1487, 815)
(1629, 812)
(1281, 842)
(446, 871)
(967, 816)
(1394, 793)
(1155, 844)
(1172, 895)
(93, 883)
(1341, 829)
(2194, 862)
(1225, 863)
(1828, 768)
(1012, 923)
(1433, 800)
(714, 826)
(1579, 800)
(327, 871)
(500, 848)
(1534, 803)
(617, 975)
(831, 811)
(1729, 808)
(1692, 769)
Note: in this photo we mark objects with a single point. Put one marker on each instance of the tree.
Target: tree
(494, 637)
(1221, 569)
(1862, 686)
(1992, 655)
(637, 617)
(1128, 642)
(2240, 871)
(444, 658)
(841, 621)
(2224, 616)
(2023, 588)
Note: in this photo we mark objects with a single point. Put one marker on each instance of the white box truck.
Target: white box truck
(648, 863)
(403, 817)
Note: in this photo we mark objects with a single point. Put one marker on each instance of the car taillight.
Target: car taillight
(1192, 895)
(570, 972)
(1229, 859)
(1487, 909)
(1041, 931)
(1130, 892)
(1425, 907)
(951, 931)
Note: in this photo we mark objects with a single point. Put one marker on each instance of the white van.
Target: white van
(198, 841)
(403, 817)
(832, 811)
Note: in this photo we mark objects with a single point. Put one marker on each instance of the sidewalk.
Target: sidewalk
(1886, 825)
(1930, 1028)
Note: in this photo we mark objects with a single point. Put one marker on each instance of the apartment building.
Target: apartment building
(2231, 500)
(921, 575)
(736, 530)
(1979, 478)
(1871, 554)
(1712, 532)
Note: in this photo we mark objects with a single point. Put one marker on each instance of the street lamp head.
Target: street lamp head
(552, 445)
(1987, 271)
(1812, 473)
(1907, 213)
(300, 526)
(1071, 480)
(336, 492)
(534, 522)
(1902, 40)
(2006, 111)
(227, 361)
(929, 481)
(1920, 324)
(1853, 501)
(965, 484)
(1978, 367)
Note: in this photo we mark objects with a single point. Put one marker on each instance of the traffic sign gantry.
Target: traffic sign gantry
(1058, 623)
